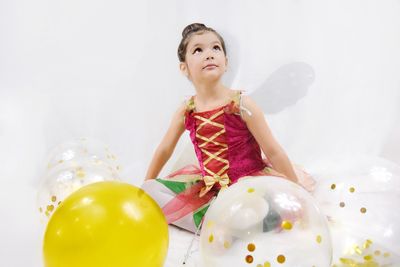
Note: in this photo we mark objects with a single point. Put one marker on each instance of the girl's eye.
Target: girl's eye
(217, 46)
(197, 49)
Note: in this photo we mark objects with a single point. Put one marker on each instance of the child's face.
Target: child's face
(205, 58)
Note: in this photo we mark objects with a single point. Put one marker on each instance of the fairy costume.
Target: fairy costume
(226, 151)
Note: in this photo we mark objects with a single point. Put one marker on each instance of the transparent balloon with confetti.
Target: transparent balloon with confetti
(265, 221)
(82, 148)
(61, 182)
(360, 195)
(70, 166)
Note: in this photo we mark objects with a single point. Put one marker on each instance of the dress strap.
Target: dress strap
(239, 101)
(189, 103)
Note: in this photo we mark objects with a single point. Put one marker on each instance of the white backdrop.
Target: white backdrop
(327, 74)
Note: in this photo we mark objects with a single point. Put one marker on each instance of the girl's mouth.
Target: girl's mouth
(210, 66)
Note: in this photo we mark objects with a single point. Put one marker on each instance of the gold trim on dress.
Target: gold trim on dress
(211, 180)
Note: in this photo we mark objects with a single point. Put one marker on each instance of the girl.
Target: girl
(228, 131)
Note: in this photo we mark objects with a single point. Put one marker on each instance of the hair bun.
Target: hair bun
(194, 27)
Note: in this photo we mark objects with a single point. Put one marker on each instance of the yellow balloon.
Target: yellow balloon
(106, 224)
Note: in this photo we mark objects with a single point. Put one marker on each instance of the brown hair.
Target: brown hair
(188, 31)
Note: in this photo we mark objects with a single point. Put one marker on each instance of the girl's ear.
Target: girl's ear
(183, 68)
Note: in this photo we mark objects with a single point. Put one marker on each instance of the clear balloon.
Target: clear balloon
(265, 221)
(71, 165)
(106, 224)
(82, 148)
(360, 198)
(61, 181)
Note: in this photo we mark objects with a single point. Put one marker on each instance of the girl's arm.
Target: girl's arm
(168, 143)
(258, 126)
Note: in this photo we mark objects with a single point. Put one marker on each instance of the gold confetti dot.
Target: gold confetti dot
(386, 254)
(281, 258)
(53, 198)
(347, 261)
(319, 239)
(368, 257)
(249, 259)
(342, 204)
(287, 225)
(251, 247)
(333, 186)
(40, 210)
(80, 173)
(267, 264)
(60, 161)
(47, 213)
(113, 157)
(352, 189)
(50, 207)
(377, 252)
(210, 224)
(211, 238)
(358, 250)
(363, 210)
(250, 190)
(259, 265)
(59, 202)
(118, 168)
(227, 244)
(367, 243)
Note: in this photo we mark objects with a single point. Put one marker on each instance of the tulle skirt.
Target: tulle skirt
(178, 194)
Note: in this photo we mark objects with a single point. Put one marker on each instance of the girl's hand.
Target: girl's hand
(305, 179)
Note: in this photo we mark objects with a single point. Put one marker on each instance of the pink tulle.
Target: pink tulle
(186, 202)
(187, 170)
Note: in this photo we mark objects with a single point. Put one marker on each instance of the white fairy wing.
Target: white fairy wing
(185, 154)
(284, 87)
